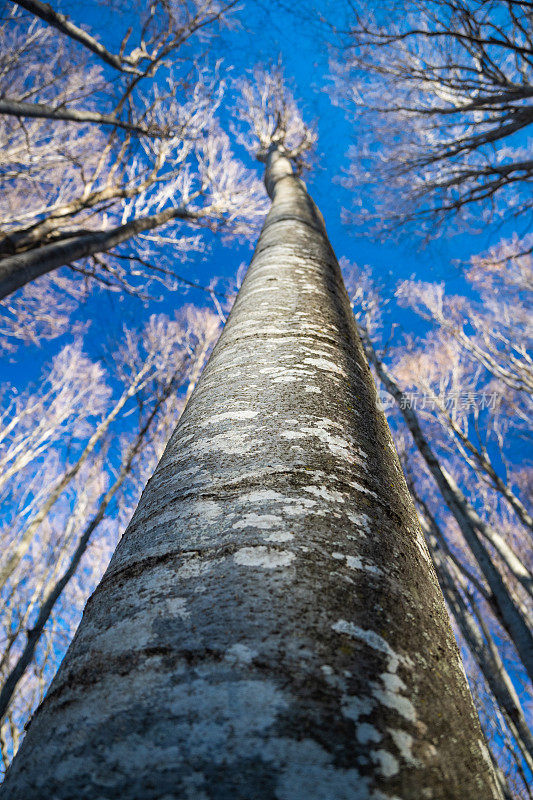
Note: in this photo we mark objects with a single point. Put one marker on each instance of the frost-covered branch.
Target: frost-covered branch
(271, 117)
(76, 194)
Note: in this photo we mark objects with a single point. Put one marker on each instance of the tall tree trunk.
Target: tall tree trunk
(270, 625)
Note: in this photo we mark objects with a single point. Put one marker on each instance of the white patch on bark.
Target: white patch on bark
(324, 364)
(206, 510)
(359, 488)
(485, 753)
(336, 445)
(177, 607)
(300, 506)
(292, 435)
(387, 764)
(361, 520)
(260, 496)
(396, 701)
(422, 546)
(240, 653)
(390, 695)
(372, 639)
(212, 713)
(264, 557)
(355, 707)
(262, 521)
(404, 743)
(330, 495)
(393, 683)
(246, 413)
(355, 562)
(233, 442)
(280, 536)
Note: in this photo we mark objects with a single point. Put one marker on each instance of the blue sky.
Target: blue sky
(266, 32)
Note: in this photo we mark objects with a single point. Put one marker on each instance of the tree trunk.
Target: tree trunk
(18, 270)
(270, 626)
(480, 643)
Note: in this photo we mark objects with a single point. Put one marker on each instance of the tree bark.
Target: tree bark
(270, 626)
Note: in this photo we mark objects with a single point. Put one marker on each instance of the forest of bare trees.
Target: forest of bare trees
(272, 624)
(100, 197)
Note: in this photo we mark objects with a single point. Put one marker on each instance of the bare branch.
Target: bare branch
(17, 108)
(272, 117)
(62, 23)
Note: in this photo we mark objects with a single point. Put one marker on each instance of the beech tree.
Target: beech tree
(270, 624)
(74, 459)
(109, 199)
(445, 87)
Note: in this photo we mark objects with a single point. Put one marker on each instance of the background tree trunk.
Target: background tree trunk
(270, 625)
(18, 270)
(512, 616)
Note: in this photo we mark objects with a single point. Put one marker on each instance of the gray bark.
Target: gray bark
(18, 270)
(270, 626)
